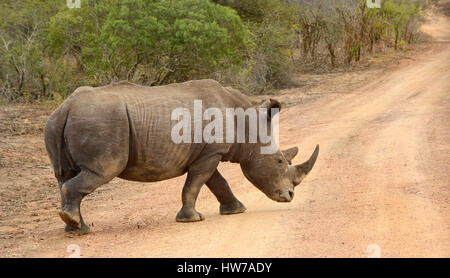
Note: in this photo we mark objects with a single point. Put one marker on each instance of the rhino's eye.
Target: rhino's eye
(280, 161)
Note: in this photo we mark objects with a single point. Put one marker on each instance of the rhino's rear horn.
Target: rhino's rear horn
(308, 165)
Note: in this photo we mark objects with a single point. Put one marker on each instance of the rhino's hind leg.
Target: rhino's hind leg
(73, 191)
(96, 143)
(229, 204)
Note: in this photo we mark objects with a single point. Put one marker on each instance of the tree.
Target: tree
(22, 68)
(400, 15)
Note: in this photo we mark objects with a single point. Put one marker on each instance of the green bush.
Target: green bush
(151, 42)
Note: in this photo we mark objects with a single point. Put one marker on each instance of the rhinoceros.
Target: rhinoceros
(124, 130)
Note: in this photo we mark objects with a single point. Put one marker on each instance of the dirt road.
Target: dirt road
(382, 180)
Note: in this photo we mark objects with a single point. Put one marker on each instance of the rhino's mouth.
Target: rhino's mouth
(284, 196)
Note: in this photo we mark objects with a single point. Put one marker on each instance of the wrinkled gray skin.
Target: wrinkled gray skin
(124, 130)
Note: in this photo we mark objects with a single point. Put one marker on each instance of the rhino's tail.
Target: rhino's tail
(54, 143)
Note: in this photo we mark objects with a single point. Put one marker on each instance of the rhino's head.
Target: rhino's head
(273, 174)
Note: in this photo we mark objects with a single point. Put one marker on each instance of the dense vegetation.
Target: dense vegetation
(48, 49)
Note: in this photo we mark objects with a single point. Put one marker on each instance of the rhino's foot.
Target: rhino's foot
(82, 231)
(233, 208)
(71, 218)
(189, 215)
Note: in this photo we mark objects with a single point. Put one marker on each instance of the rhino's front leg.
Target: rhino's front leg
(229, 204)
(198, 174)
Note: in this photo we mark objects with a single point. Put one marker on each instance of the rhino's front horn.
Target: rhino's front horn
(308, 165)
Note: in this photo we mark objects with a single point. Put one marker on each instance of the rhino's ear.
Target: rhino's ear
(269, 105)
(289, 154)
